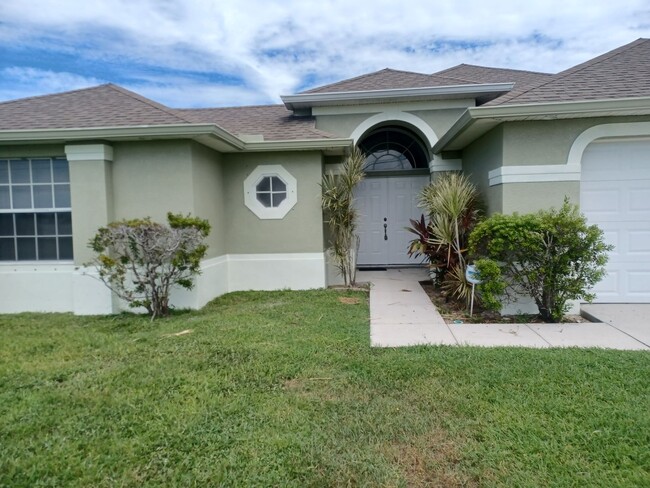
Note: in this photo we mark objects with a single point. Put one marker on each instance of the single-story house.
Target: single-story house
(72, 162)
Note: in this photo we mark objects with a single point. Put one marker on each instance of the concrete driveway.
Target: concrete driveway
(401, 314)
(632, 319)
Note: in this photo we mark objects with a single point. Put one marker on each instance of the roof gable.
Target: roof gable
(387, 79)
(101, 106)
(621, 73)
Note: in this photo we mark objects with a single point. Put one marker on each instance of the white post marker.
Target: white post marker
(472, 276)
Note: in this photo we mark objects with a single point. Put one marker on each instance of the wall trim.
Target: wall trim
(622, 129)
(70, 288)
(534, 173)
(89, 152)
(395, 116)
(438, 165)
(572, 169)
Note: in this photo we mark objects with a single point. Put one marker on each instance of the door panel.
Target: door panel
(395, 200)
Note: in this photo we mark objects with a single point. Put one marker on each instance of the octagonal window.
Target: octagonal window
(271, 191)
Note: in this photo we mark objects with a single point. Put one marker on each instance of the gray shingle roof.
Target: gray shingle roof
(274, 122)
(113, 106)
(386, 79)
(101, 106)
(621, 73)
(484, 74)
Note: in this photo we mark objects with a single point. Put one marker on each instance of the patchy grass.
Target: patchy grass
(282, 389)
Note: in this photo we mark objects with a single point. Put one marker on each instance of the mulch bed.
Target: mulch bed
(453, 311)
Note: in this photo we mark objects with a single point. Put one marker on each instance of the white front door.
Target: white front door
(615, 195)
(385, 205)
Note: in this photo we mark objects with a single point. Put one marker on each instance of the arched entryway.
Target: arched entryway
(397, 168)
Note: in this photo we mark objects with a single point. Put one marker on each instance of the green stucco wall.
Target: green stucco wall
(208, 192)
(152, 178)
(547, 141)
(531, 197)
(481, 157)
(301, 230)
(523, 143)
(343, 125)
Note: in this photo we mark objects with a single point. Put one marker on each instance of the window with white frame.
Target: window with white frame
(270, 191)
(35, 213)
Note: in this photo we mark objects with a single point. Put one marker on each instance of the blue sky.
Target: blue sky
(202, 53)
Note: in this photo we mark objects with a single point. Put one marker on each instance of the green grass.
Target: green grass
(282, 389)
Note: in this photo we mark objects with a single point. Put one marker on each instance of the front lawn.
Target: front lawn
(282, 389)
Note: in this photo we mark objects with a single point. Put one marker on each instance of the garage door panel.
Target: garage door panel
(638, 196)
(639, 243)
(637, 283)
(615, 195)
(609, 285)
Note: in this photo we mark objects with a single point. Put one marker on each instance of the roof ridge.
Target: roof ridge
(578, 67)
(450, 68)
(495, 68)
(148, 101)
(365, 75)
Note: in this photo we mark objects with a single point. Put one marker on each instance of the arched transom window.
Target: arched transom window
(393, 149)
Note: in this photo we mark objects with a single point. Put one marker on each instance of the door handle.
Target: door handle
(385, 234)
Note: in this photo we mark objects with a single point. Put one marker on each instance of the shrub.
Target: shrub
(453, 207)
(140, 260)
(554, 256)
(341, 216)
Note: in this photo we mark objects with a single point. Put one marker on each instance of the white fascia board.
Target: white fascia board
(540, 111)
(353, 97)
(202, 132)
(300, 145)
(123, 133)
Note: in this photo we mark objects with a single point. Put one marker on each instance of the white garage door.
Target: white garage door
(615, 195)
(385, 205)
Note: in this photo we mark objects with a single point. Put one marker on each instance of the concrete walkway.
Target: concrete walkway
(401, 314)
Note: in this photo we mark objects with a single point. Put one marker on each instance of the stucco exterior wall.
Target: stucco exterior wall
(528, 143)
(440, 117)
(152, 178)
(482, 156)
(531, 197)
(547, 141)
(300, 231)
(209, 201)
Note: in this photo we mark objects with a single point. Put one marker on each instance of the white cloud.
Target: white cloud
(275, 46)
(29, 81)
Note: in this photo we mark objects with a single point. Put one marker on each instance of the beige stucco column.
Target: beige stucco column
(92, 207)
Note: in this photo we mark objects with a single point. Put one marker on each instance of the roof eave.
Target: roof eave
(476, 121)
(210, 134)
(307, 100)
(329, 146)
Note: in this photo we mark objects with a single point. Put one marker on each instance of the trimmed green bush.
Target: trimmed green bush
(553, 255)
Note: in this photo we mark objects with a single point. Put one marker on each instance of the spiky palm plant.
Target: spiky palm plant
(452, 202)
(341, 216)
